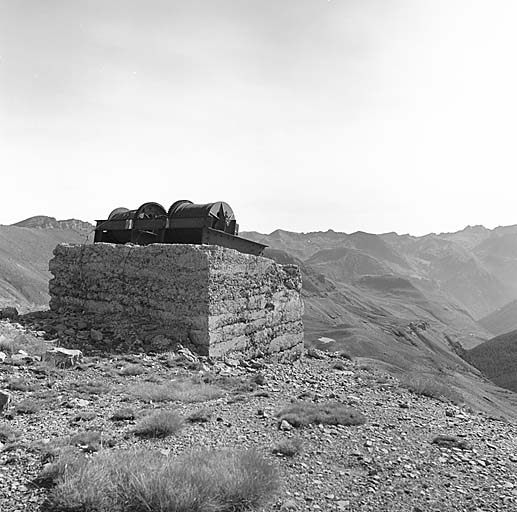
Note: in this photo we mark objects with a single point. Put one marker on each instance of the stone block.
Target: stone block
(215, 298)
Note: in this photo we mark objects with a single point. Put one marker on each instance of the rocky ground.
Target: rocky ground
(395, 461)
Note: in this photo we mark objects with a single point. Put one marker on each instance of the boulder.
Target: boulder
(63, 357)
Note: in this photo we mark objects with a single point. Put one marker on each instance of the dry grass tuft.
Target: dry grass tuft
(160, 424)
(143, 481)
(232, 384)
(181, 391)
(69, 459)
(90, 440)
(288, 447)
(8, 346)
(200, 416)
(126, 413)
(92, 387)
(426, 385)
(26, 342)
(300, 414)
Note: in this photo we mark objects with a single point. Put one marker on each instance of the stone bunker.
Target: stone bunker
(214, 299)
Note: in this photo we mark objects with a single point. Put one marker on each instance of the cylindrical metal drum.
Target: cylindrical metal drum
(218, 215)
(146, 211)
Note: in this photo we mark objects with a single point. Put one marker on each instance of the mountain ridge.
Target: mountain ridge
(408, 303)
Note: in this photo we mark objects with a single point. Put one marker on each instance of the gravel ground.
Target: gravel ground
(388, 464)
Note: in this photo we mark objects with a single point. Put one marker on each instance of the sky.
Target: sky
(305, 115)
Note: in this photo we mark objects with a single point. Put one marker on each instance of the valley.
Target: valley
(411, 305)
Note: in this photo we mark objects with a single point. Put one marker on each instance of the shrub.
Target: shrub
(182, 391)
(81, 485)
(288, 447)
(159, 424)
(200, 416)
(142, 481)
(300, 414)
(426, 385)
(67, 460)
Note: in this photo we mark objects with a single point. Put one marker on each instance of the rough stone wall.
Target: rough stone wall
(254, 304)
(215, 298)
(151, 283)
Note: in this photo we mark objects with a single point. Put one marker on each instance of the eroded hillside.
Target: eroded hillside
(406, 302)
(24, 256)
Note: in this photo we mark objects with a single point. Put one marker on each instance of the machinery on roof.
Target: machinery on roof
(184, 223)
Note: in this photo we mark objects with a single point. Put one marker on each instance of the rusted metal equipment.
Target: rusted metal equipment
(184, 223)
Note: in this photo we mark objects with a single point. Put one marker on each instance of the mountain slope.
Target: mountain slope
(460, 266)
(499, 254)
(405, 302)
(497, 359)
(24, 256)
(502, 320)
(44, 222)
(346, 264)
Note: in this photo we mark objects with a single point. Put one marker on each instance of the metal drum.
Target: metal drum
(184, 223)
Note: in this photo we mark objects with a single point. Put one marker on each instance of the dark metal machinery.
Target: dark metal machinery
(184, 223)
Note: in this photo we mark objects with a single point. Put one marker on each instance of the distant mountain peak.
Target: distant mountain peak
(46, 222)
(38, 221)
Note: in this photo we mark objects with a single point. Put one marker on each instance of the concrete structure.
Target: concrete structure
(216, 299)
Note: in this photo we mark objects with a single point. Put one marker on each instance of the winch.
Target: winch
(184, 223)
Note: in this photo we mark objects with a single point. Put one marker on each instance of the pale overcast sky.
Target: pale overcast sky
(372, 115)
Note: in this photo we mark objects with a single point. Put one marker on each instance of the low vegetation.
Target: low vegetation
(69, 459)
(143, 481)
(8, 346)
(288, 447)
(427, 385)
(300, 414)
(200, 416)
(92, 387)
(232, 384)
(181, 391)
(123, 414)
(159, 424)
(14, 344)
(90, 441)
